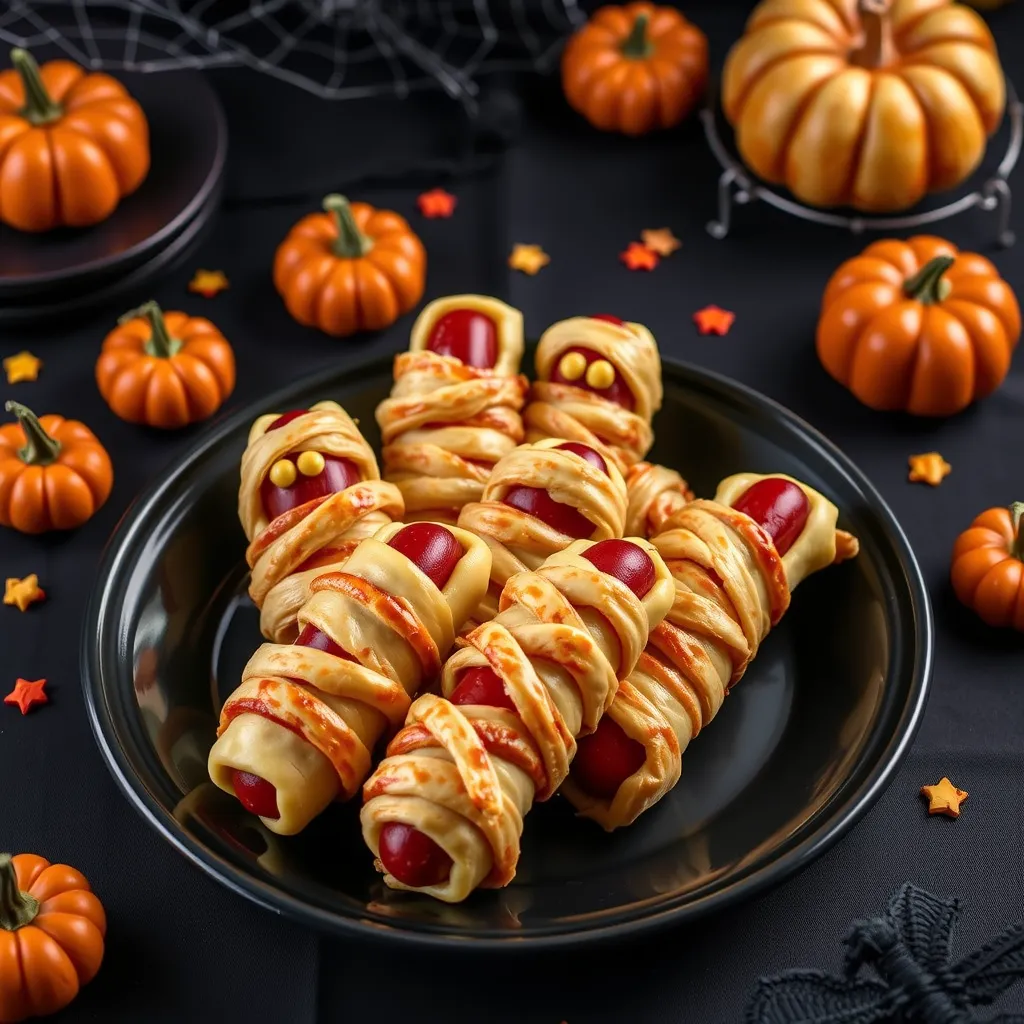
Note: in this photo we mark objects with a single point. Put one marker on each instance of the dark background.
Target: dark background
(180, 947)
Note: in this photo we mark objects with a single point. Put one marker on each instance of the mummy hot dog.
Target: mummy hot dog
(655, 494)
(454, 408)
(299, 730)
(599, 383)
(310, 491)
(539, 499)
(735, 561)
(444, 811)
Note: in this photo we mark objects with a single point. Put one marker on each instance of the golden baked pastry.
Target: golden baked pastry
(655, 494)
(299, 730)
(735, 561)
(310, 491)
(454, 409)
(444, 811)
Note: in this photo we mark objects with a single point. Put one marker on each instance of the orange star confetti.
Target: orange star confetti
(713, 320)
(929, 468)
(208, 283)
(944, 798)
(437, 203)
(23, 366)
(528, 258)
(22, 593)
(638, 257)
(26, 695)
(660, 240)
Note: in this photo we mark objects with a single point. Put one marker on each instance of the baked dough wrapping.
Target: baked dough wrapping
(287, 554)
(575, 414)
(307, 720)
(446, 424)
(732, 586)
(466, 775)
(655, 494)
(519, 540)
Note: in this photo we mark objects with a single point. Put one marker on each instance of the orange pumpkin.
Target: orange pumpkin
(72, 145)
(865, 103)
(54, 473)
(52, 928)
(988, 566)
(165, 369)
(351, 268)
(918, 326)
(635, 68)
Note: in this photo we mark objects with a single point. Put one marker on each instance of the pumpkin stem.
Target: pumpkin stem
(636, 45)
(40, 449)
(17, 908)
(875, 47)
(1016, 515)
(351, 243)
(928, 285)
(40, 107)
(160, 343)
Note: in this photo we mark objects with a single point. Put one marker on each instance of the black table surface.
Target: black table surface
(180, 947)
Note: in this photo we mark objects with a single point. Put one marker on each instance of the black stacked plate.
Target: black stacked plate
(153, 230)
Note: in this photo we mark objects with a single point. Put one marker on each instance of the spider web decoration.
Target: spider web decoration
(335, 49)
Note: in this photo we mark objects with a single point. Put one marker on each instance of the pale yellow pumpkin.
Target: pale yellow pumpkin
(863, 103)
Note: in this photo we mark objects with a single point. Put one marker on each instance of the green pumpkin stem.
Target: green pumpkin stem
(928, 285)
(17, 908)
(351, 243)
(1016, 515)
(160, 342)
(40, 107)
(636, 45)
(876, 48)
(40, 449)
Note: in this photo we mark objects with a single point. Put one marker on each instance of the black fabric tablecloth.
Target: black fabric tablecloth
(180, 947)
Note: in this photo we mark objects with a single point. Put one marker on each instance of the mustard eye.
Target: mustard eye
(600, 374)
(282, 473)
(310, 463)
(572, 366)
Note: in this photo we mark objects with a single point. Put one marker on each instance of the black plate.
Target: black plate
(188, 141)
(804, 745)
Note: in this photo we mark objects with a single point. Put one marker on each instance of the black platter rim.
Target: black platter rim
(100, 647)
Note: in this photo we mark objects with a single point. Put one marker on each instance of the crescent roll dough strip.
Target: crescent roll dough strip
(575, 414)
(655, 493)
(731, 587)
(466, 775)
(520, 541)
(446, 424)
(307, 720)
(287, 554)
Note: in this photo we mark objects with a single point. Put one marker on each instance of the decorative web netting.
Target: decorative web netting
(336, 49)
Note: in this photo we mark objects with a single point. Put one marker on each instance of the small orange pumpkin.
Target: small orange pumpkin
(918, 326)
(72, 145)
(165, 369)
(988, 566)
(635, 68)
(351, 268)
(52, 928)
(54, 473)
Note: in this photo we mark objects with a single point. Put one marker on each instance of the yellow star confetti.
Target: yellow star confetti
(208, 283)
(22, 593)
(929, 468)
(944, 798)
(660, 240)
(528, 258)
(23, 366)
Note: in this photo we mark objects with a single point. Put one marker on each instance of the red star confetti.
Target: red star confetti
(713, 320)
(22, 593)
(26, 695)
(436, 203)
(639, 257)
(208, 283)
(660, 240)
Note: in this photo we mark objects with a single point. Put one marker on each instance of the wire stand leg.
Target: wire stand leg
(1000, 199)
(720, 228)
